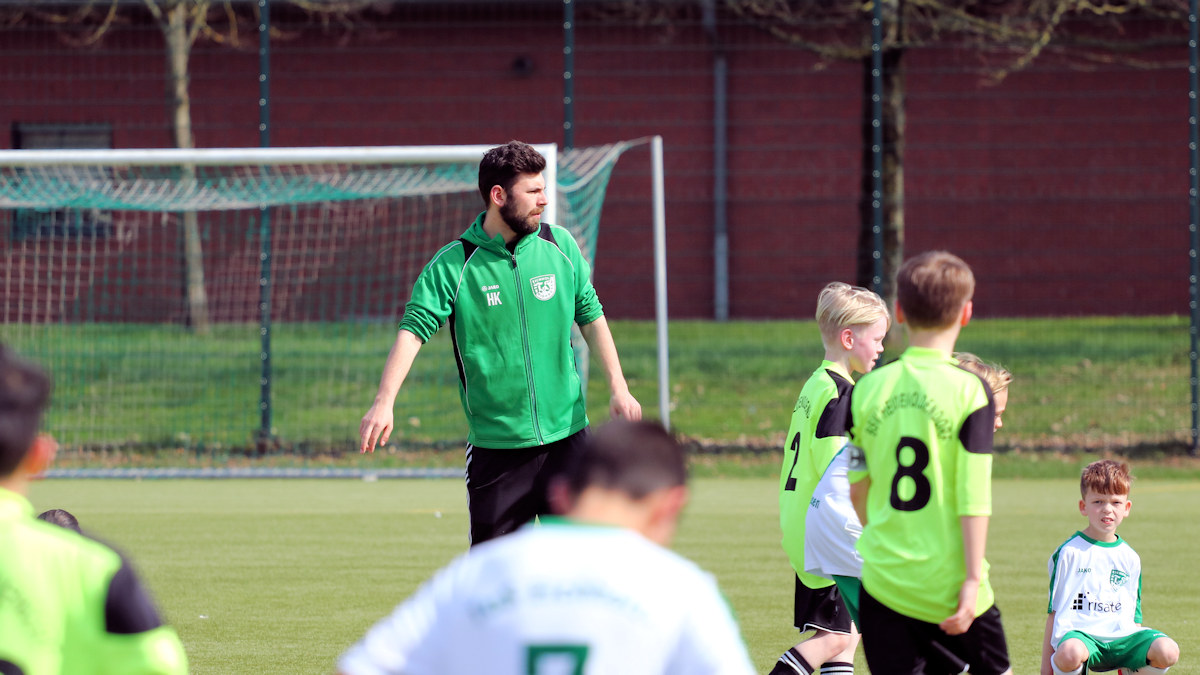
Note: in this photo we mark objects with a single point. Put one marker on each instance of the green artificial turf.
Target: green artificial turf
(266, 577)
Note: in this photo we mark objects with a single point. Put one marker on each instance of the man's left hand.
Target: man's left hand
(625, 406)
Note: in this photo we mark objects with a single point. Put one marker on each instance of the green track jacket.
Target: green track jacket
(510, 316)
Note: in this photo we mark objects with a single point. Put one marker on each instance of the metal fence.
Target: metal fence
(1057, 168)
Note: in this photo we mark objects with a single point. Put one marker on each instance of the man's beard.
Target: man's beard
(519, 225)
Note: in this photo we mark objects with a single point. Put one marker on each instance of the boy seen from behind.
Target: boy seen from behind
(1095, 610)
(593, 589)
(833, 528)
(853, 323)
(920, 480)
(68, 604)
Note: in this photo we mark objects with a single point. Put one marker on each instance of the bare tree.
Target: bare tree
(1006, 36)
(183, 23)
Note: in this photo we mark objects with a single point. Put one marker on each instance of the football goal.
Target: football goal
(211, 302)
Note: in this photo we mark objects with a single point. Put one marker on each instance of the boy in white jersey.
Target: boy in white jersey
(1095, 610)
(853, 323)
(593, 591)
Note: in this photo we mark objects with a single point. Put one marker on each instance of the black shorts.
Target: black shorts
(899, 644)
(820, 609)
(507, 488)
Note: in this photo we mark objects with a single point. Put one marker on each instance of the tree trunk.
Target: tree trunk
(179, 48)
(893, 178)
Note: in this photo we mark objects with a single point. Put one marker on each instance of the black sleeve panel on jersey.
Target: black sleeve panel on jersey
(128, 608)
(849, 414)
(835, 417)
(980, 426)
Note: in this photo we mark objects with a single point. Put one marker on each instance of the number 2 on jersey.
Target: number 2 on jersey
(914, 471)
(790, 486)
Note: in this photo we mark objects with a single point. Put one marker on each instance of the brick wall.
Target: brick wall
(1064, 188)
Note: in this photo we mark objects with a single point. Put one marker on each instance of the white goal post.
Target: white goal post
(264, 157)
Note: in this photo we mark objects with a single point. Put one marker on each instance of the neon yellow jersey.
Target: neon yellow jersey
(921, 429)
(816, 433)
(71, 605)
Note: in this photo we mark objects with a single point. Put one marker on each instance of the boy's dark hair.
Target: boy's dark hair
(931, 289)
(636, 458)
(60, 517)
(1105, 477)
(24, 392)
(503, 164)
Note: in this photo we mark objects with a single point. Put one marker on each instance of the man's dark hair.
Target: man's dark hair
(24, 392)
(503, 164)
(636, 458)
(61, 518)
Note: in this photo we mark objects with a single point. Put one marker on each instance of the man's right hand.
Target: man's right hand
(377, 424)
(375, 428)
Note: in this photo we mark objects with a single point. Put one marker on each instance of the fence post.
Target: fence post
(1194, 215)
(264, 227)
(720, 183)
(877, 143)
(568, 74)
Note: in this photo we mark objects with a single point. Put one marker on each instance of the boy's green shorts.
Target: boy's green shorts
(849, 587)
(1126, 652)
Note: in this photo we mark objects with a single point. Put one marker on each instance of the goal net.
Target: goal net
(197, 305)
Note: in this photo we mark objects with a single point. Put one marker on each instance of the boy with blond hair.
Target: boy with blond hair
(920, 479)
(996, 376)
(1095, 611)
(853, 323)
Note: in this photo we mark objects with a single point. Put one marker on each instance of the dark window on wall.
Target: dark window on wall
(61, 222)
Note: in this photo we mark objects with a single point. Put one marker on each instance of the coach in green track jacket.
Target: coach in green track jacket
(510, 288)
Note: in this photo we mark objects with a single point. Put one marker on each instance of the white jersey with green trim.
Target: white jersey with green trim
(1095, 588)
(560, 597)
(832, 527)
